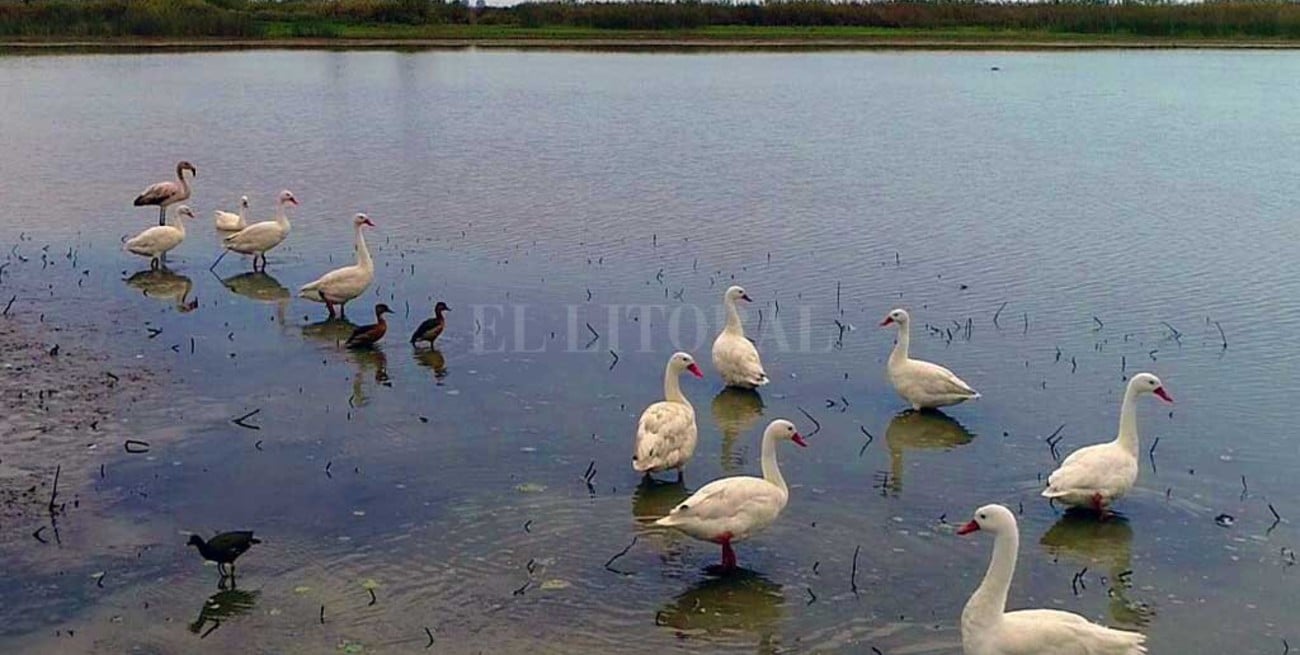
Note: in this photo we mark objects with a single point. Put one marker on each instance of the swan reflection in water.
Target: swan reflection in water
(432, 358)
(651, 501)
(165, 285)
(1101, 545)
(925, 430)
(225, 604)
(371, 363)
(261, 287)
(735, 411)
(738, 604)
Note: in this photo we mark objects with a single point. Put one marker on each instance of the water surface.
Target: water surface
(1111, 210)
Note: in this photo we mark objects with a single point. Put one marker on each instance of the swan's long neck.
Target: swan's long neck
(178, 222)
(363, 253)
(904, 342)
(989, 602)
(734, 326)
(281, 218)
(673, 386)
(1128, 423)
(772, 472)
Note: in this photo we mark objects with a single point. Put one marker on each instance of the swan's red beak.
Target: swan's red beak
(798, 438)
(695, 370)
(1164, 395)
(889, 320)
(745, 297)
(968, 528)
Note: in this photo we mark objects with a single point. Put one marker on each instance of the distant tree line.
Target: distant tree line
(253, 18)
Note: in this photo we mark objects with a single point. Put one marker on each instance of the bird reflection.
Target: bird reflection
(740, 602)
(165, 285)
(334, 331)
(368, 360)
(1107, 545)
(913, 430)
(735, 411)
(653, 499)
(225, 604)
(432, 358)
(261, 287)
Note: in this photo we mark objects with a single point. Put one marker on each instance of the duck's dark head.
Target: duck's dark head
(195, 540)
(382, 309)
(441, 307)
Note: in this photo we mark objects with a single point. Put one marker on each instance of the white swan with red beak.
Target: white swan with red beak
(733, 509)
(666, 433)
(1098, 475)
(987, 628)
(735, 356)
(923, 384)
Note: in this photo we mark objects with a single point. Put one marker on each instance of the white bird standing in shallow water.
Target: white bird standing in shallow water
(228, 222)
(156, 241)
(734, 356)
(340, 285)
(733, 509)
(258, 238)
(988, 629)
(1096, 476)
(666, 433)
(921, 383)
(166, 194)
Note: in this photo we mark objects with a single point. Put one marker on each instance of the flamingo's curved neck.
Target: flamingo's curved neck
(673, 387)
(1128, 422)
(363, 253)
(987, 605)
(904, 342)
(185, 185)
(734, 326)
(772, 472)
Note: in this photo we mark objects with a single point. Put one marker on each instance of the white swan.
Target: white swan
(340, 285)
(156, 241)
(228, 222)
(734, 356)
(258, 238)
(1095, 476)
(988, 629)
(733, 509)
(166, 194)
(921, 383)
(666, 433)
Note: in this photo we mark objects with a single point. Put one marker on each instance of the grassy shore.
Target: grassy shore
(776, 23)
(728, 37)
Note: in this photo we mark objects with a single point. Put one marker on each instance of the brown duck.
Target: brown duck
(368, 335)
(432, 328)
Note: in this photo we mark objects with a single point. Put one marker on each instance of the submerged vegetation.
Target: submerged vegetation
(436, 19)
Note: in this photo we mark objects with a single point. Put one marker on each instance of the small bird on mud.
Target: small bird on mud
(225, 548)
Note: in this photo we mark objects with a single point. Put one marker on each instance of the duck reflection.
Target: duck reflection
(740, 602)
(1106, 545)
(225, 604)
(913, 430)
(735, 411)
(163, 284)
(432, 358)
(371, 362)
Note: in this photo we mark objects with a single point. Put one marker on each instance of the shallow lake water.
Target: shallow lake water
(1054, 226)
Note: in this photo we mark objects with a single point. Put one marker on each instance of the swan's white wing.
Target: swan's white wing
(936, 380)
(1052, 632)
(155, 239)
(737, 359)
(665, 436)
(1099, 468)
(258, 235)
(726, 500)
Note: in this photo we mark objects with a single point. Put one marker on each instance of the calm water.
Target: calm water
(537, 193)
